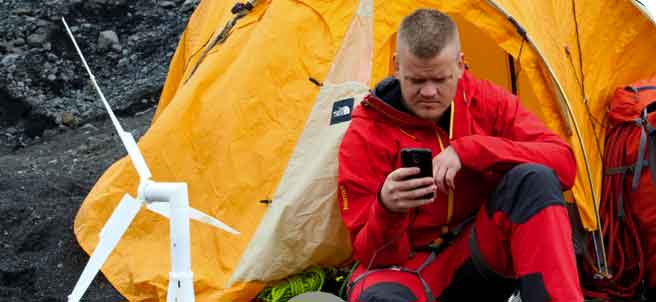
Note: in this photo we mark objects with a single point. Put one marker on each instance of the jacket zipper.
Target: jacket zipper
(451, 194)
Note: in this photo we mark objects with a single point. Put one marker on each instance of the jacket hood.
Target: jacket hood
(389, 91)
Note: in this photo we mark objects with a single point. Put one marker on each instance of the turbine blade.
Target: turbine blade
(135, 155)
(110, 234)
(163, 209)
(126, 137)
(207, 219)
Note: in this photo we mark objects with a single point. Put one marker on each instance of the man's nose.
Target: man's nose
(428, 90)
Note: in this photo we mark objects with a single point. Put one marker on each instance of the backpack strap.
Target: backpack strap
(642, 123)
(638, 89)
(624, 170)
(652, 152)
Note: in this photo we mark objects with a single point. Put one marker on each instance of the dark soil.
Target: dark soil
(41, 187)
(55, 138)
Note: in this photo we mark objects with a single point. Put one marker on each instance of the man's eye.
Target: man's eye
(416, 81)
(444, 79)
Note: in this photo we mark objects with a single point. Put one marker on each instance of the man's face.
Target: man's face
(429, 85)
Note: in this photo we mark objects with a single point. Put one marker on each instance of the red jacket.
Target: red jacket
(492, 132)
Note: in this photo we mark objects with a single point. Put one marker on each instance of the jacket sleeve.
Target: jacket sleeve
(517, 136)
(379, 237)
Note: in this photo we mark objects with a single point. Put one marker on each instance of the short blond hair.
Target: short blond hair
(426, 32)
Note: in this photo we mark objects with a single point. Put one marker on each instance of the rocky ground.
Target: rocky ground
(55, 139)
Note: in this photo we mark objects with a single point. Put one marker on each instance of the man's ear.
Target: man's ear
(461, 64)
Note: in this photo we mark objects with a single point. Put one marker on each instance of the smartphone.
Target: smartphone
(418, 157)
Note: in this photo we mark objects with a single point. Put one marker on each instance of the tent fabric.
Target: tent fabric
(232, 130)
(303, 206)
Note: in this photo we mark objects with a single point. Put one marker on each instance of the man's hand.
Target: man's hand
(400, 194)
(445, 166)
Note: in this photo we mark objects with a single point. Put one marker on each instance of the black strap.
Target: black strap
(639, 89)
(637, 170)
(623, 169)
(620, 199)
(448, 237)
(652, 152)
(477, 258)
(651, 107)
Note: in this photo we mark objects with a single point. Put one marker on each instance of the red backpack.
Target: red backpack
(628, 200)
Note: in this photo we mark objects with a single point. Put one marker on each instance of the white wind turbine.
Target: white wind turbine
(167, 199)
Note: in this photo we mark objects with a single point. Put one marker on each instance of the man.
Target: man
(497, 221)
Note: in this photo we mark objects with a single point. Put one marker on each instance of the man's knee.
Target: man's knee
(525, 190)
(386, 292)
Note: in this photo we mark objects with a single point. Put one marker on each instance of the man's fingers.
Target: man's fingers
(450, 178)
(439, 179)
(414, 183)
(417, 193)
(403, 173)
(409, 204)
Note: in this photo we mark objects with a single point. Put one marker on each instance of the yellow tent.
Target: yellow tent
(246, 121)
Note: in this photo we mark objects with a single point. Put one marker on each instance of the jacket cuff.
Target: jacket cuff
(389, 219)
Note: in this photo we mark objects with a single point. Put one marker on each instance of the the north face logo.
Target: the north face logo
(342, 111)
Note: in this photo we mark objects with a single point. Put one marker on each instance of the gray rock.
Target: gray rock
(52, 77)
(9, 60)
(68, 119)
(191, 3)
(167, 4)
(36, 39)
(18, 42)
(49, 133)
(43, 23)
(117, 47)
(107, 39)
(89, 127)
(104, 4)
(47, 46)
(23, 11)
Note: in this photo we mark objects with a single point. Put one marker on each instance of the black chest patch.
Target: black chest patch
(342, 110)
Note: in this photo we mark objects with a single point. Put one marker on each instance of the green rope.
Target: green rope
(310, 280)
(342, 292)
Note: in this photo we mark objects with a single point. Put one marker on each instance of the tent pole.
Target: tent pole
(568, 117)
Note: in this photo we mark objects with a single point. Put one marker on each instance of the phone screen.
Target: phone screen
(418, 157)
